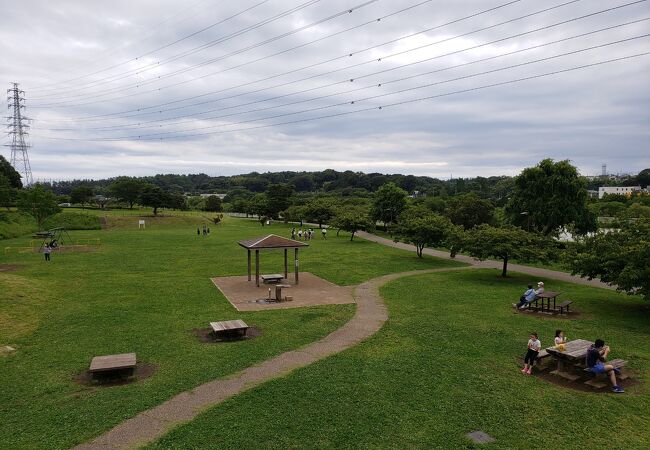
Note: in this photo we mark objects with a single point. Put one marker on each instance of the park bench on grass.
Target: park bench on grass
(109, 366)
(272, 278)
(564, 305)
(229, 328)
(599, 380)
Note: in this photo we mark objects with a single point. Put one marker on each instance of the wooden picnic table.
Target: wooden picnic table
(548, 296)
(229, 327)
(574, 354)
(113, 363)
(272, 278)
(278, 290)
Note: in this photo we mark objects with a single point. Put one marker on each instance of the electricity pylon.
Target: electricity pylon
(18, 131)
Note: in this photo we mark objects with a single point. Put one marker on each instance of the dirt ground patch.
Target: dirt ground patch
(205, 335)
(573, 315)
(579, 385)
(244, 295)
(10, 267)
(142, 371)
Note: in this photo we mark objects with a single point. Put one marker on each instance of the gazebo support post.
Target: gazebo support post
(295, 257)
(286, 266)
(257, 268)
(249, 265)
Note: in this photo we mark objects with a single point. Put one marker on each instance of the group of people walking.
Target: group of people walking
(306, 235)
(206, 231)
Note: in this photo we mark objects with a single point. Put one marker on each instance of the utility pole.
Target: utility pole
(17, 131)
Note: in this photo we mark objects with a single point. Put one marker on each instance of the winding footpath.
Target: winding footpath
(370, 316)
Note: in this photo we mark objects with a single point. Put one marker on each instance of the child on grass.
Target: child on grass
(534, 346)
(560, 340)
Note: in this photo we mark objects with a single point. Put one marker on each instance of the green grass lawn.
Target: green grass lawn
(143, 291)
(446, 364)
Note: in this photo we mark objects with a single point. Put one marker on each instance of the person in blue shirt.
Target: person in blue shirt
(528, 297)
(596, 358)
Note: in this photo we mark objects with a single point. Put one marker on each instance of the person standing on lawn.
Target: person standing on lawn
(534, 346)
(596, 358)
(46, 252)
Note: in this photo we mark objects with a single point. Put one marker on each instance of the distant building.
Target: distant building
(620, 190)
(592, 194)
(221, 196)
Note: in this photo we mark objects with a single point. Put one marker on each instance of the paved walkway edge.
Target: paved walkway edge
(490, 264)
(152, 424)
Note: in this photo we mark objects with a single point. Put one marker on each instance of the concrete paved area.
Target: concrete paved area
(311, 291)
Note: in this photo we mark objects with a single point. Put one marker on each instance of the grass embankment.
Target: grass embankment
(444, 365)
(144, 291)
(72, 221)
(14, 224)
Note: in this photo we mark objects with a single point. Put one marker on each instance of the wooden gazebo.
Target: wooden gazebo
(271, 242)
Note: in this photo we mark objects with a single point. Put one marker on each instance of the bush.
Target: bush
(72, 221)
(14, 224)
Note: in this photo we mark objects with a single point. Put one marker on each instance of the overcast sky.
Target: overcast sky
(139, 87)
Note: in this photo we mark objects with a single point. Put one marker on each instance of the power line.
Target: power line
(187, 69)
(141, 111)
(346, 81)
(344, 56)
(106, 52)
(139, 70)
(144, 138)
(401, 91)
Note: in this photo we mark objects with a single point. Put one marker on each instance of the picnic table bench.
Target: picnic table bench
(599, 380)
(123, 363)
(272, 278)
(229, 328)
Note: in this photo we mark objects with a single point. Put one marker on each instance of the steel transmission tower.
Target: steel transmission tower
(17, 131)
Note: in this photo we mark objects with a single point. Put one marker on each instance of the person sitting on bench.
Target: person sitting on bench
(596, 358)
(528, 297)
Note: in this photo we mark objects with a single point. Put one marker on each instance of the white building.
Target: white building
(621, 190)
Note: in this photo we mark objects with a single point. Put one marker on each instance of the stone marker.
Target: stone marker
(479, 437)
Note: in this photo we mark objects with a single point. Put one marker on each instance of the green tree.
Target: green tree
(126, 189)
(353, 220)
(38, 203)
(177, 200)
(548, 197)
(82, 195)
(213, 204)
(643, 178)
(12, 175)
(295, 213)
(422, 228)
(7, 192)
(469, 210)
(154, 197)
(506, 243)
(320, 210)
(388, 203)
(620, 258)
(278, 198)
(258, 205)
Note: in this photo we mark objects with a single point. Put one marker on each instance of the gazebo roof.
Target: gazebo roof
(271, 241)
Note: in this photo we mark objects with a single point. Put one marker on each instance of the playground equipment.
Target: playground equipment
(54, 237)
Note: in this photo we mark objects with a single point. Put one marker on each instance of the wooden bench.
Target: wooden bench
(272, 278)
(599, 380)
(541, 361)
(108, 365)
(564, 305)
(229, 328)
